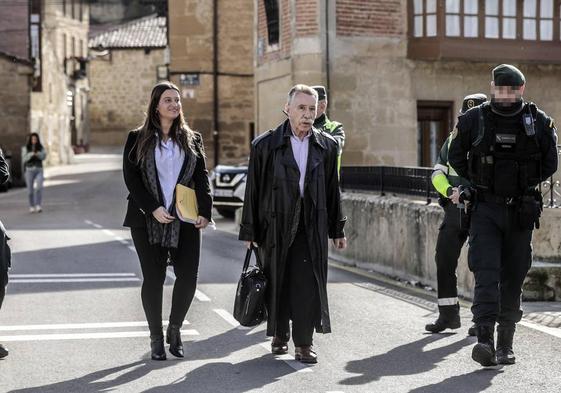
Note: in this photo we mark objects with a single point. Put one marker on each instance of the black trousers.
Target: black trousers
(299, 300)
(500, 255)
(451, 238)
(153, 258)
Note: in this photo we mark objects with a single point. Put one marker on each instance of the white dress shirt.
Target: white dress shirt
(300, 151)
(169, 161)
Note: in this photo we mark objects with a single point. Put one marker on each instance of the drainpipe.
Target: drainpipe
(215, 123)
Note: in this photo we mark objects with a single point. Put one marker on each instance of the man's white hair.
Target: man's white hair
(301, 88)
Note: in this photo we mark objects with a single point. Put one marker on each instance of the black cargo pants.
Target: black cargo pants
(500, 255)
(451, 237)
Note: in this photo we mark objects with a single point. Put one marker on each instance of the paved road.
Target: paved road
(74, 323)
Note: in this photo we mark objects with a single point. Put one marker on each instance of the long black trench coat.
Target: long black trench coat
(271, 198)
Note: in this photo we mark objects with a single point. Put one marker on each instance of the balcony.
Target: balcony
(522, 31)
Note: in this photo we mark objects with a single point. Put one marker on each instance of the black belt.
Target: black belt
(501, 200)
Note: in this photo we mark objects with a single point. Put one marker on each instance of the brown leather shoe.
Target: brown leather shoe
(305, 354)
(278, 346)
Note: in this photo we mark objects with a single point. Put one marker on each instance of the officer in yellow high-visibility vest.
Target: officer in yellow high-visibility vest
(322, 122)
(452, 235)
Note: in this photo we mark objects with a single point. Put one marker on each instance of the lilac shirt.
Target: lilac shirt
(169, 161)
(300, 151)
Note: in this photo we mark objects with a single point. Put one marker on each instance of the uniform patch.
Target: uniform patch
(471, 103)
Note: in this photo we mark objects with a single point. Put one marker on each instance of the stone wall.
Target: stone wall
(15, 79)
(397, 237)
(191, 38)
(121, 83)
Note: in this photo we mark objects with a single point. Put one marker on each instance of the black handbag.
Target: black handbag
(250, 305)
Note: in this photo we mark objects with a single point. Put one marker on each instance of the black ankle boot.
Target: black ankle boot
(448, 318)
(173, 338)
(157, 347)
(484, 351)
(505, 336)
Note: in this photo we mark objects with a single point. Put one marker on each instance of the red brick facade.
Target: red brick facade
(14, 29)
(307, 18)
(370, 18)
(266, 52)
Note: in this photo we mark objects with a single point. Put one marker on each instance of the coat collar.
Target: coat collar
(283, 133)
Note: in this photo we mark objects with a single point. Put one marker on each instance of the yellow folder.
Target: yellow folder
(186, 204)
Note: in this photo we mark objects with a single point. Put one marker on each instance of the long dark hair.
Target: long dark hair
(180, 132)
(38, 145)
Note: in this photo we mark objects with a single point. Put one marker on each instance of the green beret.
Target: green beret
(472, 101)
(508, 75)
(322, 94)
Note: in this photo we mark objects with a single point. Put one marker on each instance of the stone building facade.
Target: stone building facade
(125, 65)
(15, 79)
(53, 37)
(397, 70)
(217, 85)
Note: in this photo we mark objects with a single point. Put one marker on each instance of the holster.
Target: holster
(529, 211)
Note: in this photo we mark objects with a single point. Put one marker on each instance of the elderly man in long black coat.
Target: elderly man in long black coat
(292, 206)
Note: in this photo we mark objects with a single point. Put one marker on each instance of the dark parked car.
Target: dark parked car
(228, 188)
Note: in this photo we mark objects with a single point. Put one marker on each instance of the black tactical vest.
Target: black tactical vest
(505, 158)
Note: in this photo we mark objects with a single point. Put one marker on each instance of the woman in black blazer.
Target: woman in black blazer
(162, 153)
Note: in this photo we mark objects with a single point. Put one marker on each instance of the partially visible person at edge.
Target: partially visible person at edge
(5, 255)
(452, 234)
(33, 156)
(334, 128)
(159, 155)
(505, 148)
(292, 206)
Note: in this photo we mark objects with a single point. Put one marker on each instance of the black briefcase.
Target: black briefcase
(250, 305)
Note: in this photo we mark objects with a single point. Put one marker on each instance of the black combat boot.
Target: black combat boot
(173, 338)
(448, 318)
(505, 354)
(472, 331)
(484, 351)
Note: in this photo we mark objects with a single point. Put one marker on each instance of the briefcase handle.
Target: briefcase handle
(251, 250)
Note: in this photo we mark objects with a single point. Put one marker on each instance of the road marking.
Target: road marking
(62, 280)
(74, 275)
(544, 329)
(85, 336)
(87, 325)
(201, 297)
(230, 319)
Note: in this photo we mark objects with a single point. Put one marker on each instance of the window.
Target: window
(546, 20)
(434, 119)
(492, 19)
(273, 25)
(424, 18)
(453, 18)
(471, 18)
(529, 26)
(509, 19)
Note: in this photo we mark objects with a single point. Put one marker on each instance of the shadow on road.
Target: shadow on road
(408, 359)
(219, 376)
(223, 377)
(99, 381)
(474, 382)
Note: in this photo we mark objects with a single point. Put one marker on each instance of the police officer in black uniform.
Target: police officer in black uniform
(506, 148)
(453, 232)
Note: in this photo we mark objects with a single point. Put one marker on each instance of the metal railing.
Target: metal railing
(389, 179)
(416, 181)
